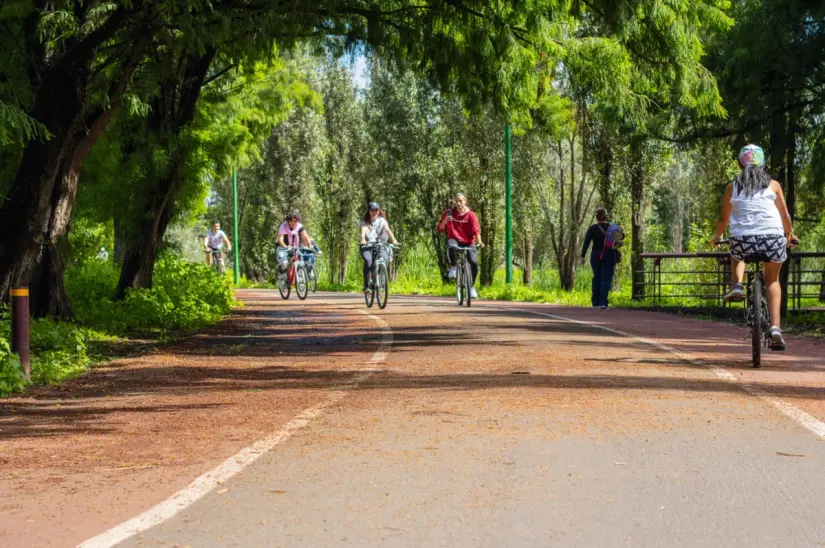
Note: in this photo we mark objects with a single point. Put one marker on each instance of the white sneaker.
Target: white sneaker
(735, 295)
(473, 293)
(777, 342)
(451, 273)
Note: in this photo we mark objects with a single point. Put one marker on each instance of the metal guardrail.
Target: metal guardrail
(711, 280)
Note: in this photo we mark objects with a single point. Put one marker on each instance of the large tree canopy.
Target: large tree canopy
(74, 63)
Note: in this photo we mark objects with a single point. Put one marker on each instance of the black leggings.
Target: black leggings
(472, 257)
(366, 256)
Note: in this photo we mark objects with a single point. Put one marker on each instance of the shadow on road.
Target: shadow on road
(261, 349)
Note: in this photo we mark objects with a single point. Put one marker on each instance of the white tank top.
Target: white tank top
(755, 215)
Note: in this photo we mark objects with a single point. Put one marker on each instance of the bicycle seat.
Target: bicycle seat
(757, 258)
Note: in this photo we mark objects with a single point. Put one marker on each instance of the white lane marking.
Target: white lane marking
(797, 415)
(234, 464)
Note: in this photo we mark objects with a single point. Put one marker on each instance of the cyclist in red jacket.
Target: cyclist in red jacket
(463, 230)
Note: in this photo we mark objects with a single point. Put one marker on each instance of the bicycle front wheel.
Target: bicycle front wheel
(301, 285)
(757, 319)
(468, 282)
(369, 294)
(382, 288)
(459, 288)
(284, 287)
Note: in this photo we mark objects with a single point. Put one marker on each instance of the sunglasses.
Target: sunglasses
(371, 210)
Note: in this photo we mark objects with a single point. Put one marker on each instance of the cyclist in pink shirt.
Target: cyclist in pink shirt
(291, 235)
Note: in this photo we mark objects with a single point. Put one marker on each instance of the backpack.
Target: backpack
(613, 238)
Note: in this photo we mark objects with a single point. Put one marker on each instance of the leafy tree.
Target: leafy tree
(339, 188)
(83, 55)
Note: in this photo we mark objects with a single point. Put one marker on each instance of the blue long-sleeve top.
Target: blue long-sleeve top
(596, 236)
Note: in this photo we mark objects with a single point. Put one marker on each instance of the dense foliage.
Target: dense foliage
(185, 296)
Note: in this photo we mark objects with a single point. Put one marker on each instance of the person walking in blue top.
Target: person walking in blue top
(602, 261)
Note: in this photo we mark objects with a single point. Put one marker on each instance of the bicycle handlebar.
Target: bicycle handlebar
(380, 244)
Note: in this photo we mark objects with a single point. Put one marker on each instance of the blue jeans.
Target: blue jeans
(602, 276)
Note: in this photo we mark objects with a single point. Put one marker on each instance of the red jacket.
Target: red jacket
(463, 227)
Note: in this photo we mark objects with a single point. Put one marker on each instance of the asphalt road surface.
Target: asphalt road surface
(490, 427)
(511, 425)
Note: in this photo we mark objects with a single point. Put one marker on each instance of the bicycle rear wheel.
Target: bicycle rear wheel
(757, 320)
(382, 286)
(468, 282)
(301, 285)
(313, 278)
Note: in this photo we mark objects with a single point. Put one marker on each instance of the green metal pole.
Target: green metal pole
(235, 241)
(509, 204)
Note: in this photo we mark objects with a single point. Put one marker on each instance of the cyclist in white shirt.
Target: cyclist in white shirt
(760, 227)
(214, 240)
(374, 228)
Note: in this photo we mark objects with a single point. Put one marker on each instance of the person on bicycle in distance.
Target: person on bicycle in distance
(291, 233)
(214, 240)
(461, 225)
(374, 228)
(760, 226)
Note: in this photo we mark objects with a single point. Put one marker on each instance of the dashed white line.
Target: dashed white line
(237, 462)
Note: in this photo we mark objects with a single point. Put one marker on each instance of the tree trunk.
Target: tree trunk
(137, 270)
(173, 110)
(39, 202)
(488, 257)
(48, 289)
(604, 157)
(121, 242)
(26, 215)
(637, 194)
(527, 272)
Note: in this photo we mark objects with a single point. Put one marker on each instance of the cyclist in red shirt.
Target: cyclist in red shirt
(462, 228)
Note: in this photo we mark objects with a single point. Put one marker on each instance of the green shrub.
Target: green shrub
(12, 377)
(184, 296)
(59, 350)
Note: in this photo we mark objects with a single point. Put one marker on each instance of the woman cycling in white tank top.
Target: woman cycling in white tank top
(759, 226)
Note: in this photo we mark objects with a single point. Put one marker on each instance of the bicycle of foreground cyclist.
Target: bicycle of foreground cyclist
(296, 275)
(756, 310)
(379, 282)
(463, 275)
(217, 261)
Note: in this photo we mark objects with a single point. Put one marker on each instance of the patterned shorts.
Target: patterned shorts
(759, 248)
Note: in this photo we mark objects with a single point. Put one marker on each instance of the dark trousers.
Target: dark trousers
(367, 256)
(472, 257)
(603, 270)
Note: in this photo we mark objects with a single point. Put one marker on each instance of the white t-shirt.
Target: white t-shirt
(375, 231)
(755, 215)
(215, 240)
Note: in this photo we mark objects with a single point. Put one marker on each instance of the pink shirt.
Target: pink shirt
(292, 234)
